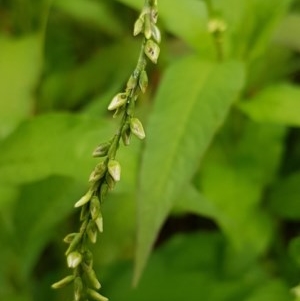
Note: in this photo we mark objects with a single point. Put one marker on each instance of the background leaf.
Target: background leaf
(277, 104)
(20, 61)
(196, 107)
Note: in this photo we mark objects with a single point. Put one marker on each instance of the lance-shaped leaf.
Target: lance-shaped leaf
(185, 117)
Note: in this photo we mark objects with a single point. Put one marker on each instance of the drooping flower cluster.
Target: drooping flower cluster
(108, 171)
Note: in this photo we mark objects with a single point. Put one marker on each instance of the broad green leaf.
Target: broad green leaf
(189, 267)
(284, 197)
(97, 13)
(61, 144)
(51, 144)
(234, 179)
(41, 206)
(276, 104)
(191, 104)
(20, 61)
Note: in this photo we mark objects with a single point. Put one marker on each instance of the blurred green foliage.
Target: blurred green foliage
(221, 157)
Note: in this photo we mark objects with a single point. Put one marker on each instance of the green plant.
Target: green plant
(208, 205)
(108, 171)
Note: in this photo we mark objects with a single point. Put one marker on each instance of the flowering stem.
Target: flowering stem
(108, 171)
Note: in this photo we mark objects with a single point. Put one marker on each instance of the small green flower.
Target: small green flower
(156, 33)
(101, 149)
(137, 128)
(78, 288)
(95, 207)
(95, 295)
(85, 199)
(74, 259)
(99, 223)
(143, 81)
(138, 26)
(64, 282)
(114, 168)
(91, 230)
(152, 51)
(91, 276)
(118, 101)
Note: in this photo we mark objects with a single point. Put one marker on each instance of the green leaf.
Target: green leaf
(276, 104)
(97, 13)
(233, 179)
(191, 104)
(192, 201)
(41, 206)
(51, 144)
(189, 267)
(284, 197)
(20, 61)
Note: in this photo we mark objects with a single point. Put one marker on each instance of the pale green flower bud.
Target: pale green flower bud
(137, 128)
(152, 51)
(64, 282)
(84, 212)
(70, 237)
(99, 223)
(138, 26)
(156, 33)
(91, 276)
(95, 295)
(95, 207)
(98, 172)
(73, 245)
(143, 81)
(126, 135)
(85, 199)
(103, 191)
(92, 231)
(88, 258)
(154, 13)
(114, 168)
(147, 26)
(131, 84)
(78, 288)
(74, 259)
(101, 150)
(216, 25)
(118, 101)
(110, 181)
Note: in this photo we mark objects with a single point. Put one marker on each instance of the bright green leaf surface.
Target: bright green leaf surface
(277, 104)
(191, 104)
(20, 66)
